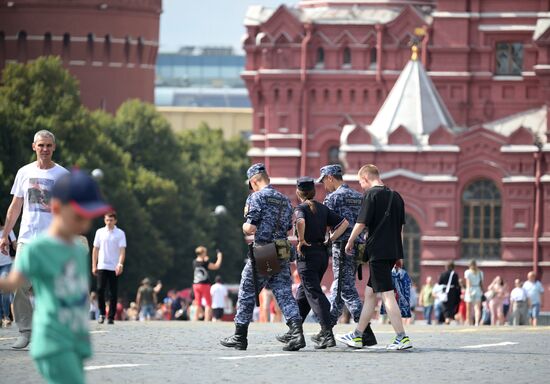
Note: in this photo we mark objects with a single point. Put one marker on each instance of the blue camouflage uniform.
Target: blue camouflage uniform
(346, 202)
(262, 210)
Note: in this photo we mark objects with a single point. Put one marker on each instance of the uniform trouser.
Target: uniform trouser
(349, 294)
(22, 307)
(310, 294)
(281, 285)
(105, 277)
(520, 313)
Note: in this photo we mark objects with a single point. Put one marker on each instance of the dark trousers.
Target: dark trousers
(310, 295)
(105, 277)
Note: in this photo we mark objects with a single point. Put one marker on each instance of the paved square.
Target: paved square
(186, 352)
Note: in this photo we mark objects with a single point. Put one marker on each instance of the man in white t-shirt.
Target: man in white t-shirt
(218, 291)
(31, 192)
(520, 304)
(108, 258)
(534, 290)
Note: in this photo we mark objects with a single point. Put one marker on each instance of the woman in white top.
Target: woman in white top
(474, 292)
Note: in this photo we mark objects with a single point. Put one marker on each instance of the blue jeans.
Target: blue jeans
(428, 310)
(5, 298)
(147, 312)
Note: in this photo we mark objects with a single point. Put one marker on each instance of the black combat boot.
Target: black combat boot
(239, 339)
(297, 340)
(368, 337)
(317, 337)
(326, 340)
(285, 338)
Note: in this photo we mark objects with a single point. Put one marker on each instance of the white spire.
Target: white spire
(413, 103)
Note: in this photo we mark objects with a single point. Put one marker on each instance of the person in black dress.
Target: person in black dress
(450, 307)
(312, 221)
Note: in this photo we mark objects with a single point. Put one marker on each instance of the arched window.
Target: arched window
(326, 96)
(320, 58)
(411, 247)
(334, 155)
(140, 50)
(346, 58)
(127, 43)
(90, 47)
(66, 51)
(107, 48)
(47, 44)
(22, 46)
(373, 58)
(481, 220)
(313, 95)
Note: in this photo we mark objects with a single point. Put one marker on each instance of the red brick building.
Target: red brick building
(461, 131)
(110, 46)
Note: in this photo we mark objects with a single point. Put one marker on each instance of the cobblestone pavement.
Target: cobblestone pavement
(186, 352)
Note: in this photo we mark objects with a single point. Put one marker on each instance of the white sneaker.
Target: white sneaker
(399, 345)
(351, 340)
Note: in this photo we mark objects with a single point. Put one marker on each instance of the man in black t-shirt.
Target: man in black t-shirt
(383, 213)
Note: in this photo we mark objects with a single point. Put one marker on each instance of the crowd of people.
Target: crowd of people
(467, 301)
(52, 257)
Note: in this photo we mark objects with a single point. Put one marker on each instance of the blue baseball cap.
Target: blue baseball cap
(255, 169)
(81, 191)
(305, 184)
(330, 170)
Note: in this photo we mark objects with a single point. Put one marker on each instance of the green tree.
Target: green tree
(219, 172)
(163, 186)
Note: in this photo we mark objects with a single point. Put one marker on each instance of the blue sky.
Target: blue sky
(206, 22)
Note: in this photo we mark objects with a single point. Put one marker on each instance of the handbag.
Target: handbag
(444, 296)
(268, 256)
(362, 255)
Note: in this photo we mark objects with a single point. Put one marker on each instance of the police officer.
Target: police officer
(266, 221)
(346, 202)
(312, 221)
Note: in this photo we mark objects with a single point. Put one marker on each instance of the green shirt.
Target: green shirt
(427, 298)
(58, 272)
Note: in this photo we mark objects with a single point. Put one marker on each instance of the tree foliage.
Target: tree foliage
(163, 186)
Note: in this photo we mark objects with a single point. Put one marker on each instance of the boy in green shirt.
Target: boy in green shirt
(57, 265)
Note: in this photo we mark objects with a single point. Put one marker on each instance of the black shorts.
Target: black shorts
(217, 313)
(380, 279)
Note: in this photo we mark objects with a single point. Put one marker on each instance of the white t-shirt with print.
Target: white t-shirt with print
(109, 244)
(5, 258)
(35, 185)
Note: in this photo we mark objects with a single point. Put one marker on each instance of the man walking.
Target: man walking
(346, 202)
(32, 191)
(383, 213)
(534, 290)
(268, 215)
(108, 258)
